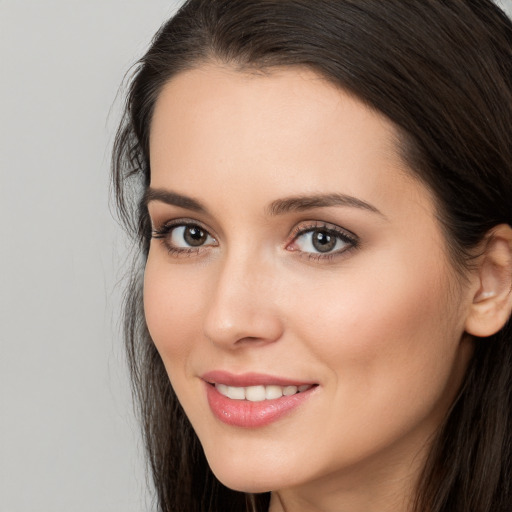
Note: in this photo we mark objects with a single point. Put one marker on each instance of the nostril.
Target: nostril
(250, 339)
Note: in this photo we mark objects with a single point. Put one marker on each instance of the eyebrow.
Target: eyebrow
(173, 199)
(277, 207)
(301, 203)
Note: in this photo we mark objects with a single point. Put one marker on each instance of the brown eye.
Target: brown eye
(186, 236)
(194, 236)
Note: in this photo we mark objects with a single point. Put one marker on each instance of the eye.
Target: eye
(189, 236)
(184, 237)
(322, 240)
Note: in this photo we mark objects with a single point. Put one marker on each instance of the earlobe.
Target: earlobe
(492, 301)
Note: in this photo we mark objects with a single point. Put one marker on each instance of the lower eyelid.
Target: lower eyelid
(328, 256)
(182, 253)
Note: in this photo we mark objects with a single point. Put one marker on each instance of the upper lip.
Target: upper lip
(250, 379)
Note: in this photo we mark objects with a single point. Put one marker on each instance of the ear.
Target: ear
(492, 301)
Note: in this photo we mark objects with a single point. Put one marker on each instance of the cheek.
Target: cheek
(172, 308)
(390, 327)
(389, 346)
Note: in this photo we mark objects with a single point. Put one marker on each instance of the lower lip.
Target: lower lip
(243, 413)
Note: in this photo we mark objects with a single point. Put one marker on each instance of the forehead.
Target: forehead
(219, 97)
(289, 130)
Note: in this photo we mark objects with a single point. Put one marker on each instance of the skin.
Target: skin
(379, 326)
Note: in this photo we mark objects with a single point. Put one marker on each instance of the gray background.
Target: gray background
(68, 440)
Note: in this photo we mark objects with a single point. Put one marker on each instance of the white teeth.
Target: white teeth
(222, 389)
(255, 393)
(259, 393)
(290, 390)
(273, 392)
(236, 393)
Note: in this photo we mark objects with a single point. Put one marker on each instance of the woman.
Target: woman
(321, 192)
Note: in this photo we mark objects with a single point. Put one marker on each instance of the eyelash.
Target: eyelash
(345, 236)
(162, 233)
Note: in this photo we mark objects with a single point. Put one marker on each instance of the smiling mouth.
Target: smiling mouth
(259, 393)
(254, 400)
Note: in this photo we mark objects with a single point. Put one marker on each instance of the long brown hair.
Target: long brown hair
(442, 72)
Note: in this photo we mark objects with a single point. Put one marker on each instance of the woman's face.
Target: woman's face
(293, 251)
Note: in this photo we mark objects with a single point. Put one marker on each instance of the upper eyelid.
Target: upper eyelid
(181, 221)
(328, 226)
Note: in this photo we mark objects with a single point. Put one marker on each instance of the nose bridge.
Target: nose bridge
(241, 305)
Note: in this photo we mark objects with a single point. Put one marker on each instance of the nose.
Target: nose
(243, 307)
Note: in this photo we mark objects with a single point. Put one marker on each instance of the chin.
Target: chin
(248, 483)
(251, 478)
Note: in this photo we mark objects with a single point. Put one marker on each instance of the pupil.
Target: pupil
(323, 241)
(195, 236)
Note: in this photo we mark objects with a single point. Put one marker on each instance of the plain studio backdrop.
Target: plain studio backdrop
(68, 438)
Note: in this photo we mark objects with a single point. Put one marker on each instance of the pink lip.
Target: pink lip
(249, 379)
(246, 414)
